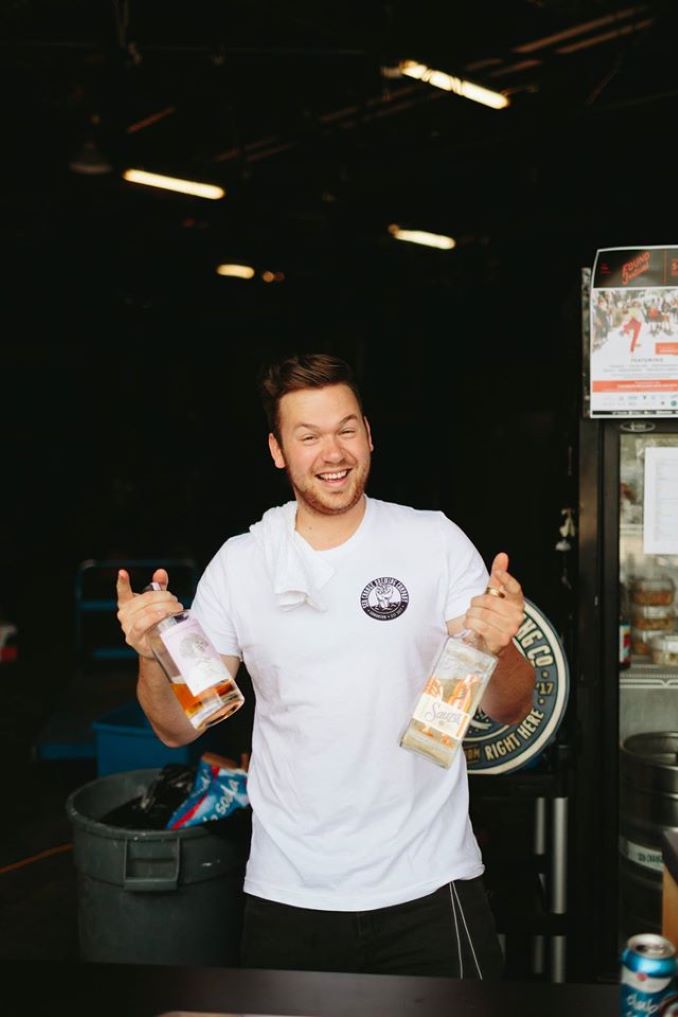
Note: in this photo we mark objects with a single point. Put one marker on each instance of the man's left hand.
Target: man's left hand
(498, 613)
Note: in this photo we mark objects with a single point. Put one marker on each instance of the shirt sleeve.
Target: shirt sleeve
(212, 605)
(467, 574)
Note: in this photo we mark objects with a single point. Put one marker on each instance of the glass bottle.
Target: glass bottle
(199, 678)
(450, 698)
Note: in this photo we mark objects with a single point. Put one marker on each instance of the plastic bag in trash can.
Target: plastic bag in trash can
(219, 788)
(152, 809)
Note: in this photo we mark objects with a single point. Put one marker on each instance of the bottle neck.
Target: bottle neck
(472, 638)
(171, 620)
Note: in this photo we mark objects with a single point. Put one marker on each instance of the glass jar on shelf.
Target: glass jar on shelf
(664, 649)
(653, 616)
(657, 591)
(641, 641)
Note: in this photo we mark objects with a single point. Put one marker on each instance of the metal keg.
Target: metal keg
(648, 806)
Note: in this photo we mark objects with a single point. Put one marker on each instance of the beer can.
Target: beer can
(648, 968)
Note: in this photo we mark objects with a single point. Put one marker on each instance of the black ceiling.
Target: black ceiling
(292, 108)
(287, 106)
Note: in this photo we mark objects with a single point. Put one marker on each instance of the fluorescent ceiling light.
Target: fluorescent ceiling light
(586, 26)
(522, 65)
(192, 187)
(152, 118)
(482, 64)
(595, 40)
(439, 79)
(438, 240)
(236, 271)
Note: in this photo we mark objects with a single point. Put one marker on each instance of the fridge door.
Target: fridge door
(626, 709)
(648, 669)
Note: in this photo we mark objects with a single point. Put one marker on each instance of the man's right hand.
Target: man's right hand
(139, 612)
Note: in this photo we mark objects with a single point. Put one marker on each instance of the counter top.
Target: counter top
(38, 989)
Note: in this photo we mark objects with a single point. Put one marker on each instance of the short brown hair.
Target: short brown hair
(299, 371)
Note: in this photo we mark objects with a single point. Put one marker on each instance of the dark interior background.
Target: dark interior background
(130, 421)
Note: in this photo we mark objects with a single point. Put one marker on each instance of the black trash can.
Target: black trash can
(648, 796)
(156, 896)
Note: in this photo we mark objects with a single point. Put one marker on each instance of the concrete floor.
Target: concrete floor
(37, 878)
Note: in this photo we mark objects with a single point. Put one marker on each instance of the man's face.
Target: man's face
(325, 447)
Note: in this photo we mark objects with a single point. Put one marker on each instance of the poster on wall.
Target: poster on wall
(632, 342)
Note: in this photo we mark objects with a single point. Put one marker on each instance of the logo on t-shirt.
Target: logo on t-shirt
(384, 598)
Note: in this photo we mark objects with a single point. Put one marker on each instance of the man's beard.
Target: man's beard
(325, 508)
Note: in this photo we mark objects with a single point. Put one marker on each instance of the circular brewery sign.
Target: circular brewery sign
(490, 747)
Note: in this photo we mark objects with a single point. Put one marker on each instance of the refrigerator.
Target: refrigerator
(626, 658)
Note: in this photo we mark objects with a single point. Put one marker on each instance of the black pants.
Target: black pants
(449, 932)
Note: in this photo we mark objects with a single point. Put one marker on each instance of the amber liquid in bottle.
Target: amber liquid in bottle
(449, 698)
(199, 678)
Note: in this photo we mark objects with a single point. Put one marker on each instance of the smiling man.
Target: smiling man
(363, 857)
(321, 438)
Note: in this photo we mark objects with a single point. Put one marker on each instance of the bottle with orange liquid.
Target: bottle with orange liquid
(199, 678)
(450, 698)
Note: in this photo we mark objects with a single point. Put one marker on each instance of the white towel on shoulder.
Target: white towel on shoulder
(297, 573)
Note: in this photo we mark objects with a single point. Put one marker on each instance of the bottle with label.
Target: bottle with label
(199, 678)
(450, 698)
(624, 628)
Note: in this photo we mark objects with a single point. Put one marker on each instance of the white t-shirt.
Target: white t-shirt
(344, 819)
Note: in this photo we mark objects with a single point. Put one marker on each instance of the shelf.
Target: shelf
(648, 676)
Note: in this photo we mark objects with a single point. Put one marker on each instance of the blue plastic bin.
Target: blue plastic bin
(126, 741)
